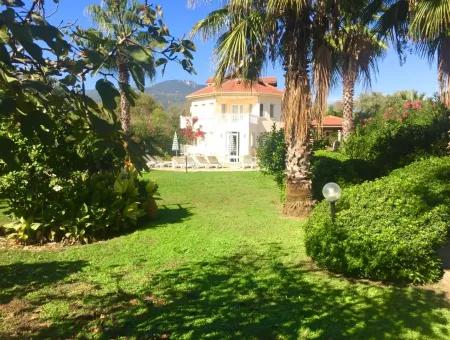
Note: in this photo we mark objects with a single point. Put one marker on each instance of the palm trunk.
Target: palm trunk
(124, 80)
(298, 201)
(444, 76)
(297, 119)
(348, 94)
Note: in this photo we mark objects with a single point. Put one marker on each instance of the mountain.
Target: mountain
(172, 92)
(169, 92)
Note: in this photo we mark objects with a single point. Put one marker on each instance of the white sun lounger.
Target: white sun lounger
(202, 162)
(213, 162)
(180, 162)
(248, 162)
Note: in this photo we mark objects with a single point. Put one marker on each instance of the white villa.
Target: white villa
(232, 117)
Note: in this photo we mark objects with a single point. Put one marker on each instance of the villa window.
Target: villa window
(272, 110)
(250, 108)
(261, 110)
(235, 112)
(224, 108)
(238, 112)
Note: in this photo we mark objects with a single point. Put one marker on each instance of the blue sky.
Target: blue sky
(415, 74)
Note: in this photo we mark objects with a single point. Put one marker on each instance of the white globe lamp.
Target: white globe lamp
(332, 193)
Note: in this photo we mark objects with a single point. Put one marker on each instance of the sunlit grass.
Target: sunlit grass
(220, 262)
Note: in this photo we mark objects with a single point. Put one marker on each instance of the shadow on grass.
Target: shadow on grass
(19, 279)
(174, 213)
(254, 295)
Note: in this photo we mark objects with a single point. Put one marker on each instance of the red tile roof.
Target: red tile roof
(263, 86)
(331, 121)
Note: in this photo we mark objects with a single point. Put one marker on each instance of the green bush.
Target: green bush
(400, 134)
(271, 154)
(388, 229)
(333, 166)
(81, 207)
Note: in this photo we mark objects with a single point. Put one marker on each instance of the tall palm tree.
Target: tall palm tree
(253, 32)
(430, 28)
(121, 21)
(357, 48)
(430, 31)
(130, 36)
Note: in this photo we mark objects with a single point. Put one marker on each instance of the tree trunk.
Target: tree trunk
(297, 115)
(124, 80)
(444, 76)
(297, 120)
(347, 111)
(298, 201)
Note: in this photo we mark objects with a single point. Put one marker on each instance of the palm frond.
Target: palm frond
(241, 50)
(211, 26)
(431, 19)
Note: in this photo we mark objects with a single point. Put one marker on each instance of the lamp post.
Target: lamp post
(332, 193)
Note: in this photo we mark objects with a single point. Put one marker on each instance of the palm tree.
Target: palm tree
(253, 32)
(120, 21)
(430, 29)
(129, 36)
(357, 48)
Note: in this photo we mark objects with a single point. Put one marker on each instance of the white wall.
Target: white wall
(216, 127)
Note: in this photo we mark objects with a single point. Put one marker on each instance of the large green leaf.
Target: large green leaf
(101, 126)
(4, 55)
(8, 152)
(12, 3)
(108, 93)
(52, 37)
(138, 76)
(139, 54)
(23, 34)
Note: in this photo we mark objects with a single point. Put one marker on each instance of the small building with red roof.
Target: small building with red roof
(228, 119)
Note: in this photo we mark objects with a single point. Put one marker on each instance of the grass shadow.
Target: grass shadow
(255, 295)
(174, 213)
(19, 279)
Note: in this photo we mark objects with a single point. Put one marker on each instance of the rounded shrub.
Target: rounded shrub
(388, 229)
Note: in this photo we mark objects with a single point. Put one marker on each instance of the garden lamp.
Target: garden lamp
(332, 192)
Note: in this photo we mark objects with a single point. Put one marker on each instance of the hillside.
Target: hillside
(169, 92)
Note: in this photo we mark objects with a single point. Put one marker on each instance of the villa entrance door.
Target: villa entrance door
(233, 147)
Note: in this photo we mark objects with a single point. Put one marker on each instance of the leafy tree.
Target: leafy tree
(154, 125)
(132, 40)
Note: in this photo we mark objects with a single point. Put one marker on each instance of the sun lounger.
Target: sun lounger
(248, 162)
(150, 161)
(161, 163)
(201, 162)
(213, 162)
(180, 162)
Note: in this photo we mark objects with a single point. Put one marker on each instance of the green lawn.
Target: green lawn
(221, 263)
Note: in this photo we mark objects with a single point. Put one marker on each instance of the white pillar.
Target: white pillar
(339, 135)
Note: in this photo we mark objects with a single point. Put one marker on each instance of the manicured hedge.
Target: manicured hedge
(388, 229)
(333, 166)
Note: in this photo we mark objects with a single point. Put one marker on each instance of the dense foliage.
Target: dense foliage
(388, 229)
(154, 125)
(67, 172)
(399, 133)
(271, 154)
(331, 166)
